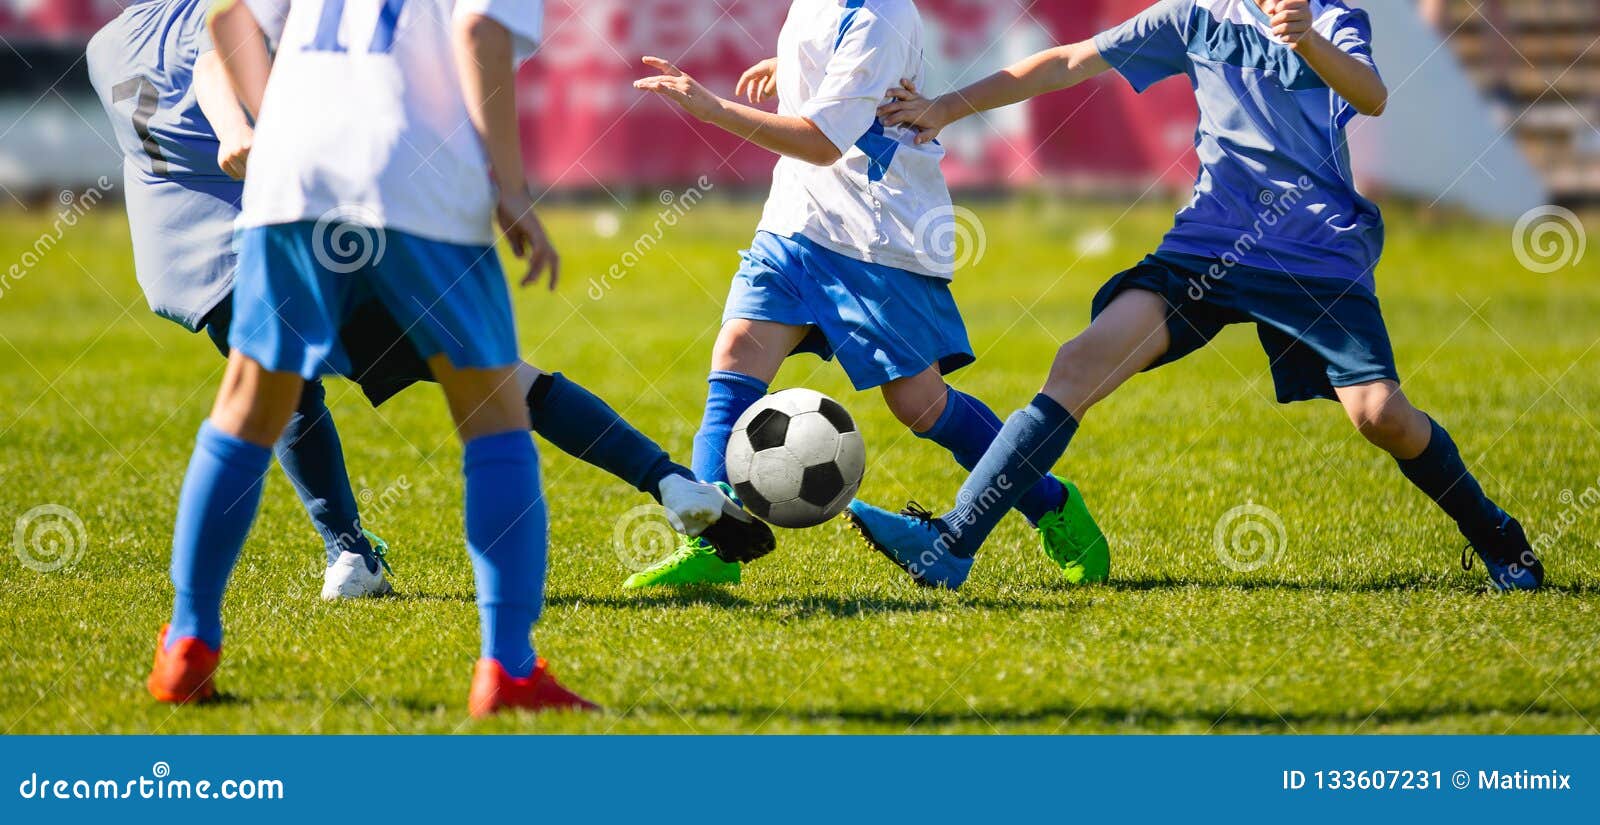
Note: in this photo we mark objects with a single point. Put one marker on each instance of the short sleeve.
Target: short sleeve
(270, 15)
(1152, 46)
(201, 42)
(870, 58)
(523, 18)
(1352, 34)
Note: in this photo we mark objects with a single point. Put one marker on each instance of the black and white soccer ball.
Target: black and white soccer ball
(796, 458)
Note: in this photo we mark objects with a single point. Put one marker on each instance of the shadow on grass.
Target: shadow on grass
(1134, 718)
(1412, 584)
(800, 606)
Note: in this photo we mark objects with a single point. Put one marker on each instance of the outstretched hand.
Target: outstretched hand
(675, 85)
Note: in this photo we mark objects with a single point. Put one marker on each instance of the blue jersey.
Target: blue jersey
(1275, 190)
(181, 206)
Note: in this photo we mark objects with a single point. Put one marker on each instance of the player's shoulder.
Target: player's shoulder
(891, 11)
(1336, 12)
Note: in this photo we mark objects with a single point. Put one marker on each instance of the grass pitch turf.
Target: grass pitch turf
(1361, 620)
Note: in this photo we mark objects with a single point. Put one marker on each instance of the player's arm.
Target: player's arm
(241, 49)
(228, 120)
(1351, 78)
(795, 137)
(1053, 69)
(486, 61)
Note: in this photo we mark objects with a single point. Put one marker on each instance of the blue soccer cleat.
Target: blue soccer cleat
(1507, 556)
(914, 540)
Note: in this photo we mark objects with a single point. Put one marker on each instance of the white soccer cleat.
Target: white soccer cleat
(692, 506)
(349, 578)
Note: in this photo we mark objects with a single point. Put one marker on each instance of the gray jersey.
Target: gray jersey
(181, 206)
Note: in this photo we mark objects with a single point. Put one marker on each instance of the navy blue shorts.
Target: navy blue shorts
(882, 323)
(1319, 333)
(383, 360)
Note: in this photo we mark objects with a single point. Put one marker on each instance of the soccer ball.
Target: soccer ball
(796, 458)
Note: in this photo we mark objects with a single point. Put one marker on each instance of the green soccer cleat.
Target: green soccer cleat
(695, 562)
(1074, 542)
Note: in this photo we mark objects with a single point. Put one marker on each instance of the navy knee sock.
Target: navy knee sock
(312, 457)
(216, 506)
(1441, 473)
(731, 393)
(1029, 444)
(583, 426)
(967, 428)
(506, 539)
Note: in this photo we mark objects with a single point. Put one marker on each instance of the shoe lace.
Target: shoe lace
(1466, 557)
(688, 549)
(380, 550)
(922, 514)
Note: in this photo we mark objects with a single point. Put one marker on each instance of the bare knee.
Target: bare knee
(917, 402)
(754, 348)
(482, 401)
(253, 404)
(1385, 417)
(1077, 377)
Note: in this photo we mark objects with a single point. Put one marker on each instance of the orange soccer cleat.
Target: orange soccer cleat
(183, 674)
(493, 690)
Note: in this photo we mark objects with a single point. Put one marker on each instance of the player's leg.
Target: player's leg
(1429, 459)
(584, 426)
(744, 361)
(1130, 334)
(966, 426)
(218, 502)
(763, 321)
(746, 358)
(507, 535)
(312, 457)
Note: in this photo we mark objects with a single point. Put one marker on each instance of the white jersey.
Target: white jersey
(364, 119)
(885, 201)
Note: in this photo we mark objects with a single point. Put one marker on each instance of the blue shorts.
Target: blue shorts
(299, 283)
(882, 323)
(1319, 333)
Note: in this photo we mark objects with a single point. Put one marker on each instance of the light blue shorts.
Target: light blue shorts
(882, 323)
(298, 283)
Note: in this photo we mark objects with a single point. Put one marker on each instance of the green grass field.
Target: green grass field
(1363, 621)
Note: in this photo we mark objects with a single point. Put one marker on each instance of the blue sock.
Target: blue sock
(730, 395)
(312, 457)
(1441, 473)
(506, 539)
(216, 506)
(586, 428)
(967, 428)
(1029, 444)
